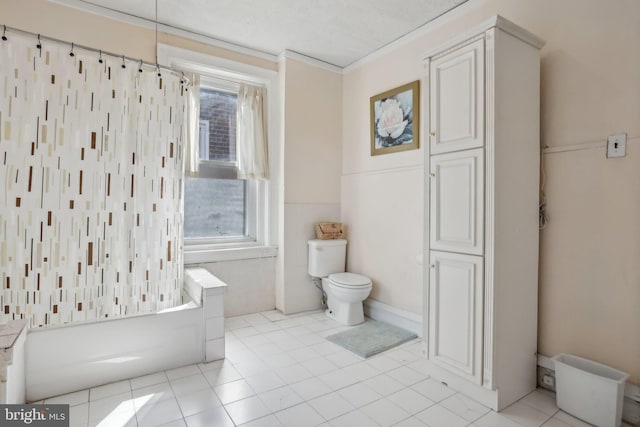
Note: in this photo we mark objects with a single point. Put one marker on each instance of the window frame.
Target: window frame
(261, 212)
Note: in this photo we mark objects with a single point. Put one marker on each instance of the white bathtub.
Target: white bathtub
(74, 357)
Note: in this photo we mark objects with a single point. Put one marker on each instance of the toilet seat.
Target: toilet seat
(350, 280)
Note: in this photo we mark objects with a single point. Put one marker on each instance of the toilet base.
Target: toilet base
(344, 313)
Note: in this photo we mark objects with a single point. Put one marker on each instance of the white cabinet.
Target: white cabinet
(456, 101)
(457, 202)
(455, 322)
(481, 226)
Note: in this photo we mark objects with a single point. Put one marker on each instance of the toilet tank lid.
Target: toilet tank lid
(349, 279)
(327, 243)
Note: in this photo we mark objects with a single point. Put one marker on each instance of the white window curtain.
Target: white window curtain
(192, 145)
(251, 137)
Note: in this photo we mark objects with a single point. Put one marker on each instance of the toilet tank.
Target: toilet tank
(326, 257)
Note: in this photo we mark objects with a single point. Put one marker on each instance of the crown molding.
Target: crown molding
(146, 23)
(289, 54)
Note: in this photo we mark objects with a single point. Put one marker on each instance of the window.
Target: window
(226, 218)
(215, 203)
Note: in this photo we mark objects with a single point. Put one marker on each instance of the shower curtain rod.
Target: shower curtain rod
(6, 30)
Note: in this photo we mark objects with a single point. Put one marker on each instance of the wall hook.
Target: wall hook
(158, 68)
(100, 58)
(4, 34)
(71, 54)
(39, 45)
(123, 65)
(140, 68)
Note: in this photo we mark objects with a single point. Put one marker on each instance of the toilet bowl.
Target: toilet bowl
(345, 293)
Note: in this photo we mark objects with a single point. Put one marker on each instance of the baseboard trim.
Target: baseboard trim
(394, 316)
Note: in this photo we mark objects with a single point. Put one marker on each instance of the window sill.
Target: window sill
(195, 254)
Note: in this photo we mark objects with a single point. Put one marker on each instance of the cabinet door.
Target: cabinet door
(455, 313)
(457, 202)
(456, 99)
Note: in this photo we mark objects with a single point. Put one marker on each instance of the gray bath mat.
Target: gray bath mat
(371, 338)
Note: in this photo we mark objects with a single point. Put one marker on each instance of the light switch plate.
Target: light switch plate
(617, 145)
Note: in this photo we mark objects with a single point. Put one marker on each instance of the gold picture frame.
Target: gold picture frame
(395, 119)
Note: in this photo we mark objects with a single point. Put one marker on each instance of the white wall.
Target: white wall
(589, 296)
(311, 174)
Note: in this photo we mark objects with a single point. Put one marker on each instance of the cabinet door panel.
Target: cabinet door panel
(455, 313)
(457, 99)
(457, 202)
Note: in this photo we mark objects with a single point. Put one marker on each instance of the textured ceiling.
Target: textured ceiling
(338, 32)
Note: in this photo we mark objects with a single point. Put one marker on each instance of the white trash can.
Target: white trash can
(589, 390)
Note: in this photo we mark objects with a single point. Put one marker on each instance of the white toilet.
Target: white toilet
(345, 291)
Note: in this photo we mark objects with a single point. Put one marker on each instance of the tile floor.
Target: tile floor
(280, 371)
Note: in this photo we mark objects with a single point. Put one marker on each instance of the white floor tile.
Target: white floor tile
(112, 410)
(111, 389)
(494, 419)
(186, 385)
(223, 375)
(353, 419)
(437, 416)
(215, 365)
(245, 410)
(156, 392)
(340, 378)
(268, 421)
(199, 401)
(542, 400)
(464, 407)
(433, 390)
(79, 415)
(158, 413)
(383, 363)
(182, 372)
(406, 376)
(236, 390)
(385, 412)
(279, 360)
(411, 422)
(570, 419)
(303, 354)
(177, 423)
(247, 369)
(293, 373)
(411, 401)
(311, 388)
(554, 422)
(319, 366)
(343, 358)
(71, 399)
(148, 380)
(280, 398)
(301, 415)
(361, 371)
(217, 417)
(264, 381)
(359, 394)
(525, 415)
(384, 384)
(402, 356)
(331, 405)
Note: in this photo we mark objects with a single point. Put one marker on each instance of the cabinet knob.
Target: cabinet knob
(433, 266)
(433, 134)
(433, 174)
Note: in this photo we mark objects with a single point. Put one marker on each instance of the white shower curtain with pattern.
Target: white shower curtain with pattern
(91, 172)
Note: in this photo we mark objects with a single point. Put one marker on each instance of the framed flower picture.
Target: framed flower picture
(395, 119)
